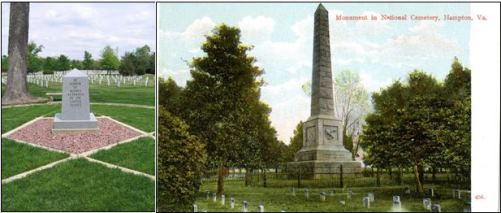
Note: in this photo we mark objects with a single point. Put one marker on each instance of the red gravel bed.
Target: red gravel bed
(40, 133)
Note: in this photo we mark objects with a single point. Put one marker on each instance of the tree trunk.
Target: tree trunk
(433, 175)
(341, 183)
(17, 88)
(220, 180)
(378, 180)
(399, 176)
(421, 173)
(419, 186)
(264, 178)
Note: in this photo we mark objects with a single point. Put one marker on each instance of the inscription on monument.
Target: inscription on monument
(75, 93)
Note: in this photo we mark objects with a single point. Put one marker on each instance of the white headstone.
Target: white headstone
(322, 196)
(371, 196)
(396, 202)
(436, 208)
(260, 208)
(367, 202)
(223, 199)
(427, 203)
(245, 206)
(75, 113)
(195, 208)
(232, 203)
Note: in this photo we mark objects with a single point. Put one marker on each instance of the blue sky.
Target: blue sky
(282, 35)
(72, 28)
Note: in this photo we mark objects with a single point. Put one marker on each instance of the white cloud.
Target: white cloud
(198, 29)
(256, 29)
(72, 28)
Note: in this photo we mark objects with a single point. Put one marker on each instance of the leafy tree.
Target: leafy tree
(151, 66)
(76, 64)
(63, 63)
(137, 62)
(50, 64)
(88, 62)
(109, 60)
(128, 64)
(220, 95)
(170, 96)
(16, 91)
(296, 142)
(5, 63)
(35, 63)
(181, 160)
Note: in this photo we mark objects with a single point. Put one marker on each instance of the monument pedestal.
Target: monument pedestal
(74, 126)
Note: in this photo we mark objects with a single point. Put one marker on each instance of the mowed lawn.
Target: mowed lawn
(138, 155)
(79, 185)
(276, 199)
(18, 158)
(104, 94)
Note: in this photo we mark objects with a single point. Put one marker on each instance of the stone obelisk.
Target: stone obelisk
(323, 151)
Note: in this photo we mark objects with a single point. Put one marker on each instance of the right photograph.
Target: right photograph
(294, 107)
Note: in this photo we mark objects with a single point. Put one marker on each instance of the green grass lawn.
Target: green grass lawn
(137, 155)
(15, 116)
(141, 118)
(79, 185)
(104, 94)
(18, 157)
(280, 198)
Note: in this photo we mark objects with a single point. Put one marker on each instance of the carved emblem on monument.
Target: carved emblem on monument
(331, 133)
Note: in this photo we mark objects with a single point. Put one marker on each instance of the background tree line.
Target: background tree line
(138, 62)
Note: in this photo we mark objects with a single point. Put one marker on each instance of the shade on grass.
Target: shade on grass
(141, 118)
(79, 185)
(277, 199)
(18, 157)
(137, 155)
(15, 116)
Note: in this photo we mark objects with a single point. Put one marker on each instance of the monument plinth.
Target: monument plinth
(322, 151)
(75, 114)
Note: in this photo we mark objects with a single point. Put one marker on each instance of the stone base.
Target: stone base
(317, 169)
(330, 153)
(74, 126)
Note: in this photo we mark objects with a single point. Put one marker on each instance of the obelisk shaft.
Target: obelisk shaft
(322, 102)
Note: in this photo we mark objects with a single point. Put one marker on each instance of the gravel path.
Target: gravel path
(40, 133)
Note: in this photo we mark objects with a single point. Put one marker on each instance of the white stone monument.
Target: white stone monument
(75, 113)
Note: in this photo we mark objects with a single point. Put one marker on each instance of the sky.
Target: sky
(282, 36)
(72, 28)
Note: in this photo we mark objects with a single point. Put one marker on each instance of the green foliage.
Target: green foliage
(35, 63)
(109, 59)
(296, 142)
(181, 160)
(88, 62)
(76, 64)
(63, 63)
(5, 63)
(50, 64)
(138, 62)
(422, 123)
(48, 72)
(170, 96)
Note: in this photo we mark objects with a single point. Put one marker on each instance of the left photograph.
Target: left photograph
(78, 106)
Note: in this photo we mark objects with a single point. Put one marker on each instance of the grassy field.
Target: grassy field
(141, 118)
(79, 185)
(137, 155)
(18, 158)
(104, 94)
(280, 198)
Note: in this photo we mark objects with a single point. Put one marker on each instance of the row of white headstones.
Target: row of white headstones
(366, 201)
(102, 79)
